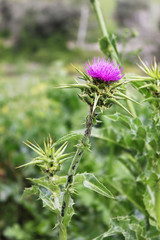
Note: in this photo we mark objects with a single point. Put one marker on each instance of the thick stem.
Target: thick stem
(72, 172)
(104, 31)
(100, 17)
(62, 233)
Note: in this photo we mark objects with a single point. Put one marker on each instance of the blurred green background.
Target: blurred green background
(38, 43)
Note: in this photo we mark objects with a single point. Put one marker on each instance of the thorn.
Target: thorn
(123, 107)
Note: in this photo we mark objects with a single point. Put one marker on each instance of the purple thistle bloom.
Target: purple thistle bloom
(103, 70)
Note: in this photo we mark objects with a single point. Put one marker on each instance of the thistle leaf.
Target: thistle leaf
(146, 85)
(80, 86)
(46, 184)
(30, 163)
(64, 159)
(150, 99)
(30, 191)
(119, 104)
(130, 227)
(68, 137)
(61, 149)
(140, 79)
(116, 85)
(93, 184)
(125, 96)
(46, 196)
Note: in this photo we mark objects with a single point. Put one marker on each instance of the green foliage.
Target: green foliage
(124, 158)
(107, 46)
(93, 184)
(18, 99)
(129, 227)
(123, 201)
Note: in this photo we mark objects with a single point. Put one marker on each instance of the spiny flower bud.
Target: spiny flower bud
(49, 159)
(153, 71)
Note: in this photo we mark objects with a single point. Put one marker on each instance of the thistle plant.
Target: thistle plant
(103, 84)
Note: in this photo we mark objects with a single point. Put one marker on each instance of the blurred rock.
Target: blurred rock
(40, 18)
(143, 16)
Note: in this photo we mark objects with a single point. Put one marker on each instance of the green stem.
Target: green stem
(101, 22)
(72, 172)
(100, 17)
(62, 233)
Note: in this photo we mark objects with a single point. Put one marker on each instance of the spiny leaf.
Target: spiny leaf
(93, 184)
(97, 134)
(150, 99)
(116, 85)
(46, 184)
(146, 85)
(65, 155)
(131, 228)
(30, 163)
(116, 117)
(93, 86)
(46, 197)
(140, 79)
(119, 104)
(58, 180)
(80, 86)
(34, 148)
(30, 191)
(61, 149)
(48, 200)
(65, 159)
(68, 137)
(125, 96)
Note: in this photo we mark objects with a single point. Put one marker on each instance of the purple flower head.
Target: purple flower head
(103, 70)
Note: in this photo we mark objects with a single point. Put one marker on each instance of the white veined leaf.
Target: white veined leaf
(48, 200)
(54, 189)
(130, 227)
(91, 182)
